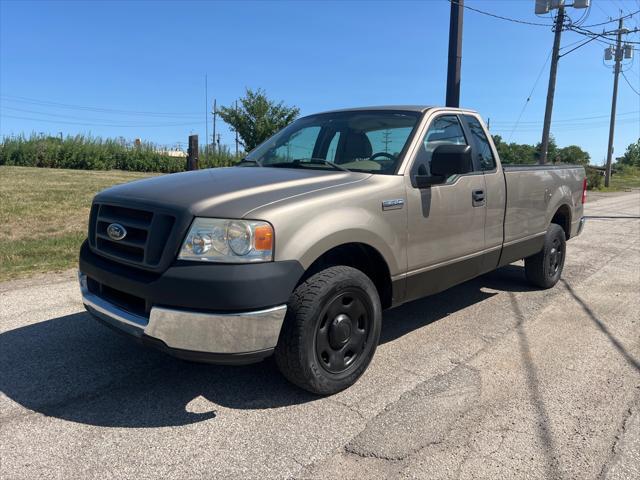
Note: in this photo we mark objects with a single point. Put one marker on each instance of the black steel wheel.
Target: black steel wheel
(545, 267)
(556, 256)
(331, 330)
(343, 330)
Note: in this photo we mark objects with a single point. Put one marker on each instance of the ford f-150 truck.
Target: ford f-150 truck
(298, 249)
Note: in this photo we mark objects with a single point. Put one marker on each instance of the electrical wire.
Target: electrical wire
(500, 17)
(583, 18)
(572, 120)
(101, 124)
(612, 20)
(526, 103)
(71, 117)
(33, 101)
(629, 83)
(569, 128)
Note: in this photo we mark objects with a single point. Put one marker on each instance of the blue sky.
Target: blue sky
(136, 69)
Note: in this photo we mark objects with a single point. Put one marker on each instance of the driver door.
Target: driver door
(446, 221)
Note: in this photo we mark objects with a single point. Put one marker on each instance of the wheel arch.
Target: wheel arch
(360, 256)
(562, 217)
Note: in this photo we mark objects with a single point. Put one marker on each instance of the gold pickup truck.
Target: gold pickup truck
(298, 249)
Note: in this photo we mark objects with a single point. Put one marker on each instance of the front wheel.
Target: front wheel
(545, 267)
(331, 330)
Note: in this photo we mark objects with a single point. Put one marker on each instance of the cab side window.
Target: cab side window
(482, 146)
(444, 130)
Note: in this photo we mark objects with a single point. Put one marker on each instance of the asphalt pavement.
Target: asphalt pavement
(490, 379)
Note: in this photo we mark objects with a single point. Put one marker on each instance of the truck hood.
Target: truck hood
(225, 192)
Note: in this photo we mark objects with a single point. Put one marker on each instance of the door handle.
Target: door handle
(477, 198)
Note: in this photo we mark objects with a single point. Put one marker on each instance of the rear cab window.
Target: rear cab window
(482, 147)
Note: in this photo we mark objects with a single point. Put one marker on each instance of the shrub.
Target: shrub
(82, 152)
(594, 178)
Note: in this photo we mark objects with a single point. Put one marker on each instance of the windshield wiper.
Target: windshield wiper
(248, 160)
(320, 161)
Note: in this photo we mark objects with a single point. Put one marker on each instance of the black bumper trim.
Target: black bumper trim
(199, 286)
(244, 358)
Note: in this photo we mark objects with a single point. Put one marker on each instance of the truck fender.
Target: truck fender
(348, 225)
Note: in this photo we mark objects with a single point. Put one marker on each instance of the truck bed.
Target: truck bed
(535, 193)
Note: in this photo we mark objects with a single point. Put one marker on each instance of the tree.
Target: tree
(257, 117)
(632, 155)
(552, 150)
(573, 154)
(514, 153)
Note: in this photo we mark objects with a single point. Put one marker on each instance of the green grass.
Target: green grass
(626, 179)
(44, 215)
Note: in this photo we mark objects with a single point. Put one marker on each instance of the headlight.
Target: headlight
(228, 241)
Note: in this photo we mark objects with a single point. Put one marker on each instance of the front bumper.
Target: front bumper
(211, 337)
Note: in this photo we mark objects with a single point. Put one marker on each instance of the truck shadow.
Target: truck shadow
(75, 369)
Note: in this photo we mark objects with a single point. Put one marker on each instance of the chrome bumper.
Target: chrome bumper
(215, 333)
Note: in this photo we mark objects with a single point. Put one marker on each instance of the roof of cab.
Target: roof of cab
(405, 108)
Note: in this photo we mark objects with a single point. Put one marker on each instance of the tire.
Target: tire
(331, 330)
(545, 267)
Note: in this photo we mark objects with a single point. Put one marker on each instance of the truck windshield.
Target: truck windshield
(362, 141)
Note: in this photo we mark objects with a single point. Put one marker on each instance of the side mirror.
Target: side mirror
(425, 181)
(451, 160)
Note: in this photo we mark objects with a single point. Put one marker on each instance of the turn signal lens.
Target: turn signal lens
(263, 237)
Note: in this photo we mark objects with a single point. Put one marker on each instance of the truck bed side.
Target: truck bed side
(536, 194)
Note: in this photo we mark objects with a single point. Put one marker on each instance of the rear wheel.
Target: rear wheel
(331, 330)
(545, 267)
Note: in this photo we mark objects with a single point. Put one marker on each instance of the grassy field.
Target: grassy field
(624, 180)
(44, 216)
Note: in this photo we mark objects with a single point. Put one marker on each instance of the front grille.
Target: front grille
(146, 238)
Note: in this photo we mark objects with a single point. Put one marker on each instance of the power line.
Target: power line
(500, 17)
(611, 21)
(34, 101)
(597, 4)
(605, 35)
(100, 124)
(567, 128)
(629, 83)
(576, 48)
(570, 120)
(73, 117)
(535, 84)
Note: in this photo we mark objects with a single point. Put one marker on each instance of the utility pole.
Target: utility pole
(237, 131)
(543, 7)
(455, 53)
(215, 113)
(386, 139)
(614, 101)
(553, 73)
(206, 115)
(192, 153)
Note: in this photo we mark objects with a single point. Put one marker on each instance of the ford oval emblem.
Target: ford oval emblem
(116, 231)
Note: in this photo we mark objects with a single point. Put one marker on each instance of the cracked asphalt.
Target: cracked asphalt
(490, 379)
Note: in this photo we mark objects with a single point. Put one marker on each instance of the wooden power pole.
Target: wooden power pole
(237, 140)
(215, 114)
(455, 53)
(614, 101)
(192, 153)
(551, 91)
